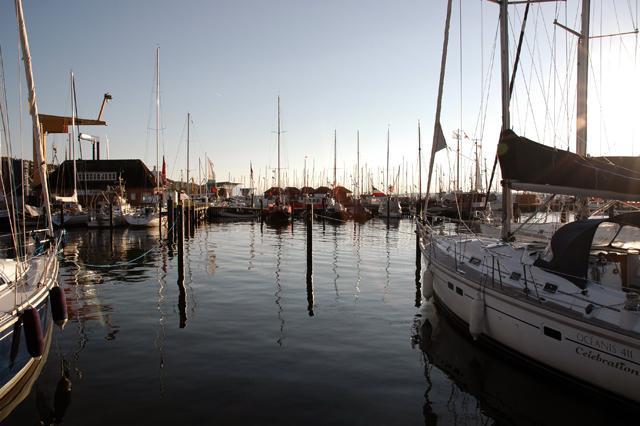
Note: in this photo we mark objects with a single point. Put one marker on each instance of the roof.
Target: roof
(60, 124)
(571, 246)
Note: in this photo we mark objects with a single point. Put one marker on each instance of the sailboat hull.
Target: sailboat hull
(15, 360)
(597, 357)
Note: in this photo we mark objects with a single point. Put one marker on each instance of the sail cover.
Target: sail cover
(531, 166)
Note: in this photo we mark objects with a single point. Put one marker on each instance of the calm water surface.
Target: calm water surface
(245, 339)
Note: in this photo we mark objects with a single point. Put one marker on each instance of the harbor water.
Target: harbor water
(246, 338)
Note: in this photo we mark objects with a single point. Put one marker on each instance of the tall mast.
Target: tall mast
(278, 141)
(158, 122)
(386, 175)
(419, 164)
(73, 135)
(583, 77)
(33, 109)
(358, 165)
(334, 160)
(188, 182)
(506, 120)
(437, 130)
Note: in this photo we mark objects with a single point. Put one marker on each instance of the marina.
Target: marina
(342, 271)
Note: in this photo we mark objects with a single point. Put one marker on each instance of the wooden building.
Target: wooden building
(96, 176)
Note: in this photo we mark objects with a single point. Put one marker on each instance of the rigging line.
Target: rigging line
(7, 132)
(175, 160)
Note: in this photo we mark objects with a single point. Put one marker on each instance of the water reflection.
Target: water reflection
(503, 390)
(278, 292)
(54, 414)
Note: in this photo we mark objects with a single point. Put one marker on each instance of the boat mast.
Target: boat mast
(506, 121)
(278, 141)
(158, 122)
(583, 76)
(437, 129)
(33, 109)
(581, 97)
(188, 182)
(73, 137)
(358, 165)
(386, 175)
(419, 165)
(334, 161)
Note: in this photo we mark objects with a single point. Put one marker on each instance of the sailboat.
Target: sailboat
(390, 207)
(572, 307)
(360, 214)
(333, 207)
(151, 216)
(30, 298)
(278, 213)
(71, 213)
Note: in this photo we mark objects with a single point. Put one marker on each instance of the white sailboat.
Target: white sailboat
(28, 282)
(151, 216)
(572, 307)
(390, 207)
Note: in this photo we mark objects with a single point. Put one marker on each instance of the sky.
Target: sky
(343, 65)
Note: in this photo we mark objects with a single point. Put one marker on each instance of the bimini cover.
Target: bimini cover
(571, 246)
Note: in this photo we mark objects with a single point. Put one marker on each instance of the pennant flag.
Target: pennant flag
(439, 140)
(251, 169)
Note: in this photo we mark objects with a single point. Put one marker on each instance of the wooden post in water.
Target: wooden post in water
(192, 221)
(180, 230)
(309, 222)
(170, 218)
(261, 210)
(418, 267)
(160, 216)
(61, 215)
(110, 215)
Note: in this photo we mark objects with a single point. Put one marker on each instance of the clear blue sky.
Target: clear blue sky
(337, 64)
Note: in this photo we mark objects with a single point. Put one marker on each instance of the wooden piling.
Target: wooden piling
(110, 215)
(61, 215)
(309, 224)
(170, 218)
(160, 216)
(180, 231)
(261, 210)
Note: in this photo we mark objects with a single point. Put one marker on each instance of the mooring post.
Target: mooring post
(261, 210)
(110, 215)
(170, 218)
(388, 206)
(160, 216)
(309, 223)
(192, 222)
(180, 230)
(182, 300)
(61, 215)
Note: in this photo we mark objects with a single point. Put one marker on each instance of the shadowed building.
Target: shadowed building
(96, 176)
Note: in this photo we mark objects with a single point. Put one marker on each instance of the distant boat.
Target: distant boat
(111, 210)
(29, 282)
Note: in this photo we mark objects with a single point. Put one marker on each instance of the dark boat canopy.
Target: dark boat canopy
(531, 166)
(572, 244)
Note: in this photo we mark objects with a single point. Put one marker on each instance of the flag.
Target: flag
(251, 172)
(439, 141)
(164, 171)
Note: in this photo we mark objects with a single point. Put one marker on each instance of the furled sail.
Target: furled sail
(531, 166)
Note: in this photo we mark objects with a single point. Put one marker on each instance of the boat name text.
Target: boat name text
(618, 365)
